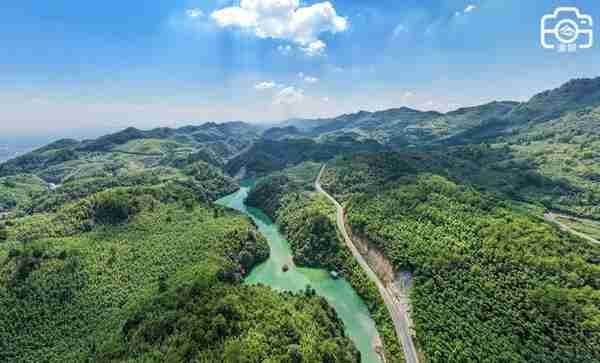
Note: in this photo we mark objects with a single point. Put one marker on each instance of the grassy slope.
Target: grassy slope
(490, 283)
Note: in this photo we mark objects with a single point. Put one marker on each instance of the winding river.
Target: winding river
(339, 293)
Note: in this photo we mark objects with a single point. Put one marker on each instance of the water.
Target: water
(339, 293)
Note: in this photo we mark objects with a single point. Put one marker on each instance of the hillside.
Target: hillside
(123, 273)
(133, 149)
(111, 249)
(491, 282)
(405, 127)
(545, 151)
(66, 170)
(267, 156)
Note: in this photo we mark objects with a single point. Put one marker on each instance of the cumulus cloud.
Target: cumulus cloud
(289, 96)
(265, 85)
(470, 8)
(194, 13)
(286, 20)
(314, 49)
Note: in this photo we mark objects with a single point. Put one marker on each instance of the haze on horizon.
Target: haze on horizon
(66, 69)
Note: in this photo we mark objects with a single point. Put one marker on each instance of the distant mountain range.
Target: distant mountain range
(403, 126)
(235, 145)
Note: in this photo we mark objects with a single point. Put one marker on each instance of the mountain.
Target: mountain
(405, 127)
(111, 248)
(277, 133)
(572, 96)
(491, 279)
(64, 159)
(267, 156)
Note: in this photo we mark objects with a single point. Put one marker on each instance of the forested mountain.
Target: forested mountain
(492, 281)
(267, 156)
(151, 274)
(111, 249)
(67, 169)
(213, 143)
(405, 127)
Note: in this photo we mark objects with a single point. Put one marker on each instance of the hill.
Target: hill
(405, 127)
(266, 156)
(492, 281)
(133, 149)
(150, 274)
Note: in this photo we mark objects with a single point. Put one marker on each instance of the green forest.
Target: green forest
(113, 250)
(155, 278)
(491, 283)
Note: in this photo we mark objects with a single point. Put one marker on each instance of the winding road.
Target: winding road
(398, 311)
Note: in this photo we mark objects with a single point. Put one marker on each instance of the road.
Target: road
(398, 311)
(552, 218)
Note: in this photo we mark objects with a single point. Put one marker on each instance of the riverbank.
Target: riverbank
(308, 219)
(351, 309)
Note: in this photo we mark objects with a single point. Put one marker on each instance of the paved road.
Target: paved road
(397, 310)
(552, 218)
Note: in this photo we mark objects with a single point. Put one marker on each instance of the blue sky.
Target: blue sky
(70, 65)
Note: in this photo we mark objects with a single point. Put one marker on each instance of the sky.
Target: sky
(71, 67)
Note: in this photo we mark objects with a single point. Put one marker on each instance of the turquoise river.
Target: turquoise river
(338, 292)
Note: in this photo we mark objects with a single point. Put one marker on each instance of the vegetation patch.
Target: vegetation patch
(491, 283)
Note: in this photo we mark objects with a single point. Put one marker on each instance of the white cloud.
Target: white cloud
(308, 79)
(289, 96)
(398, 30)
(325, 99)
(194, 13)
(314, 49)
(265, 85)
(286, 20)
(470, 8)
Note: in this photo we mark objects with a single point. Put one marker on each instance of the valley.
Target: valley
(231, 242)
(281, 273)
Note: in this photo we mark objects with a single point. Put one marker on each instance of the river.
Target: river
(338, 292)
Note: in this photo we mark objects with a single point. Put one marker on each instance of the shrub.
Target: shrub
(3, 232)
(112, 207)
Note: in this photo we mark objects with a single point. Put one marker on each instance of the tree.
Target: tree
(3, 232)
